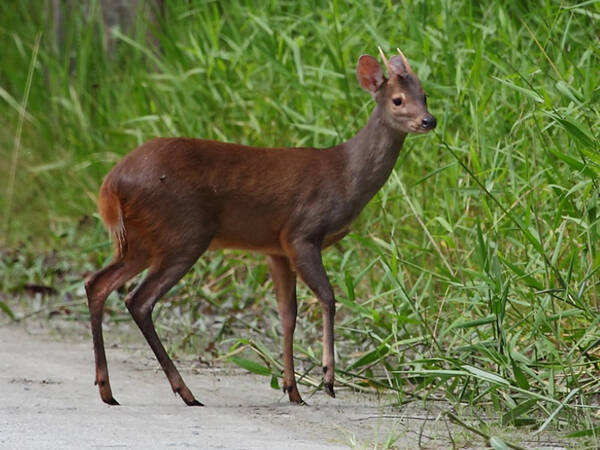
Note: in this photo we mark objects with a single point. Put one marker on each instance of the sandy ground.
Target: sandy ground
(48, 401)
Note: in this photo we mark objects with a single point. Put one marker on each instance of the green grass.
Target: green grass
(473, 276)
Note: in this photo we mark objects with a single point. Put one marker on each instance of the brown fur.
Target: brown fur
(171, 199)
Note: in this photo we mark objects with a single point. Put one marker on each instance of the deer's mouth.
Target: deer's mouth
(418, 129)
(424, 125)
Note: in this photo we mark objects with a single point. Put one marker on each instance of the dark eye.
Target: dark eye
(397, 101)
(425, 99)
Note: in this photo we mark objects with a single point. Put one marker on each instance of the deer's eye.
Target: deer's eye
(397, 101)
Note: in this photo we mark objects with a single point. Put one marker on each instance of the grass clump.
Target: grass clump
(472, 276)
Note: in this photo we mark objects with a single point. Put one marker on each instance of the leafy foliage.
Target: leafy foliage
(473, 275)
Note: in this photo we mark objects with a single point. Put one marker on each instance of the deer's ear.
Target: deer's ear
(369, 74)
(398, 65)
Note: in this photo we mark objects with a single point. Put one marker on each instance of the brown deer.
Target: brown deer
(171, 199)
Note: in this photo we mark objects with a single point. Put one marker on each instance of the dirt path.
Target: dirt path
(48, 401)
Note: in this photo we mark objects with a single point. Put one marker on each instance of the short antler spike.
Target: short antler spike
(404, 60)
(385, 61)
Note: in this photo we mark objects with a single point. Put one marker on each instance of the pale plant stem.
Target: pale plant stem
(425, 229)
(17, 148)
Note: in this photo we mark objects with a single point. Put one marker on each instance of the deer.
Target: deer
(173, 198)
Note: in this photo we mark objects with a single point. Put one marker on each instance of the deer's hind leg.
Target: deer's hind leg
(166, 270)
(98, 287)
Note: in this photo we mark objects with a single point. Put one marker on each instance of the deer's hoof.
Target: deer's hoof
(293, 394)
(111, 401)
(194, 402)
(329, 389)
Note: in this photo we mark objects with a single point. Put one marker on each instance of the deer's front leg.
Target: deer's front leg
(306, 258)
(284, 281)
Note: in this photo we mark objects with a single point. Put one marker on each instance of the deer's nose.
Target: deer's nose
(428, 122)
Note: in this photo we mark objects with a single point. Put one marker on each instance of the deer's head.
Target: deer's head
(400, 96)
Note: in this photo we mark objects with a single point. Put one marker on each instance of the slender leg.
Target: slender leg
(284, 280)
(141, 303)
(98, 287)
(306, 258)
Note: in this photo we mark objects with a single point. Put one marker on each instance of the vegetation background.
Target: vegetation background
(472, 277)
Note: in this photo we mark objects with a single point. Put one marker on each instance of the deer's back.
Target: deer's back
(247, 195)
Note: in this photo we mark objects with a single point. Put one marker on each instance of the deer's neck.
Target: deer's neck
(371, 156)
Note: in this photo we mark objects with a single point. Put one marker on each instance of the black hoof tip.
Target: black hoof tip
(112, 402)
(329, 389)
(298, 400)
(195, 403)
